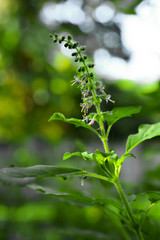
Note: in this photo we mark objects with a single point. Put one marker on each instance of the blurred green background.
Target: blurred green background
(35, 82)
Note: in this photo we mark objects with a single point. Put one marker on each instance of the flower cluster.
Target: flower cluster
(93, 91)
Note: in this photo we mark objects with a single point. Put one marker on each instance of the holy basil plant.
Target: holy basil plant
(131, 214)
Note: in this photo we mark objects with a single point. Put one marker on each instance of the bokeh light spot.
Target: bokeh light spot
(41, 96)
(61, 63)
(104, 13)
(93, 214)
(111, 39)
(59, 86)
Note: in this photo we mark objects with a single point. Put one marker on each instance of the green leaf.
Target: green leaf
(145, 131)
(74, 121)
(153, 196)
(85, 155)
(154, 174)
(120, 112)
(12, 174)
(141, 202)
(101, 157)
(78, 198)
(149, 204)
(123, 157)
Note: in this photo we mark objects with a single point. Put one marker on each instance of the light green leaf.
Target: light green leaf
(145, 131)
(149, 204)
(84, 155)
(13, 174)
(123, 157)
(120, 112)
(101, 157)
(141, 202)
(74, 121)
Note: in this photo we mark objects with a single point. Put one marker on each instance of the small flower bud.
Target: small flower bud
(91, 122)
(70, 46)
(75, 45)
(91, 74)
(76, 59)
(85, 57)
(69, 37)
(56, 35)
(63, 38)
(90, 65)
(55, 40)
(82, 69)
(66, 44)
(74, 54)
(51, 35)
(81, 59)
(83, 48)
(79, 69)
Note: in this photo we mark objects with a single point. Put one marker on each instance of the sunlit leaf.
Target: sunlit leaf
(149, 204)
(141, 202)
(145, 131)
(120, 112)
(85, 155)
(74, 121)
(126, 155)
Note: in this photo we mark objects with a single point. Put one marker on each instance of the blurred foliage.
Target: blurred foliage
(34, 83)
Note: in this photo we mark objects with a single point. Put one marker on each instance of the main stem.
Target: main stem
(129, 211)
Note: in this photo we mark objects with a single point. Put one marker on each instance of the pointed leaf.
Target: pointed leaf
(85, 155)
(102, 156)
(123, 157)
(13, 173)
(120, 112)
(145, 131)
(78, 198)
(74, 121)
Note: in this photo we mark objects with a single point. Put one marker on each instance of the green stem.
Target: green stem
(129, 211)
(97, 105)
(139, 234)
(103, 134)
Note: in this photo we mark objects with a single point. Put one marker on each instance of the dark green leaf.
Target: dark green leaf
(154, 174)
(74, 121)
(11, 174)
(153, 196)
(77, 197)
(145, 131)
(120, 112)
